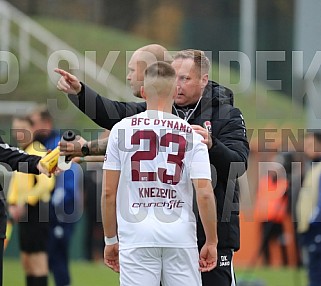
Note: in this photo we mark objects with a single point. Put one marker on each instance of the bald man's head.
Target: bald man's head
(142, 58)
(160, 54)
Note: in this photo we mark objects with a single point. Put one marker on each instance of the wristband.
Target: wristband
(111, 241)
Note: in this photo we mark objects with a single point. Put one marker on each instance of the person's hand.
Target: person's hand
(68, 83)
(43, 170)
(206, 135)
(208, 257)
(55, 170)
(72, 148)
(111, 256)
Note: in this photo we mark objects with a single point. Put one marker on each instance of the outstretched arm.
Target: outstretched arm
(15, 159)
(73, 148)
(103, 111)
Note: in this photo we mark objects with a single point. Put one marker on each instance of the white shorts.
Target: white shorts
(150, 265)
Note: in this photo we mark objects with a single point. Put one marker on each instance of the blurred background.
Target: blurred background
(267, 52)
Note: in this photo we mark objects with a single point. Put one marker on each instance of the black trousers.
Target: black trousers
(223, 273)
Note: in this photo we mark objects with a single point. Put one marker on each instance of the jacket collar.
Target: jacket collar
(213, 95)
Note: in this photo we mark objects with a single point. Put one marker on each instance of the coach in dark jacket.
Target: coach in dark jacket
(13, 159)
(199, 100)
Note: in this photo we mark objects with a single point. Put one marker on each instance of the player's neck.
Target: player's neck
(164, 107)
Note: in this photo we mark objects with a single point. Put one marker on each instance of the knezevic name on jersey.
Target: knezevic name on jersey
(156, 192)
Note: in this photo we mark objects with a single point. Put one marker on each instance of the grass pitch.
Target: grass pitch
(97, 274)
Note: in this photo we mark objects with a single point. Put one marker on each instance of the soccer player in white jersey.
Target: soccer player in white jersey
(152, 161)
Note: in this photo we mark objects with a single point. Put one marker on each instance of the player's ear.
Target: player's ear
(142, 92)
(204, 80)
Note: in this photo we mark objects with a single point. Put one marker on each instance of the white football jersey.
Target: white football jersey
(158, 154)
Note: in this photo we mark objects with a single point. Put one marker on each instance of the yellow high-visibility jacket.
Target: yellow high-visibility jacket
(30, 188)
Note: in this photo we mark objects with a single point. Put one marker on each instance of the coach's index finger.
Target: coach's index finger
(60, 71)
(68, 82)
(68, 76)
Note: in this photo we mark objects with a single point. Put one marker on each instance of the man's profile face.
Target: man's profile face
(189, 82)
(37, 122)
(135, 76)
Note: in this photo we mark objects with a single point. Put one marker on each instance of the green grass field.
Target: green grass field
(84, 274)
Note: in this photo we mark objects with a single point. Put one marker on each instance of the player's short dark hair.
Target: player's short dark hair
(160, 69)
(43, 112)
(199, 58)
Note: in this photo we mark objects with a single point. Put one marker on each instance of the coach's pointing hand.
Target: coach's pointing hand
(68, 83)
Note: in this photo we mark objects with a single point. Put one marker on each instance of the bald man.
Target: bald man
(80, 94)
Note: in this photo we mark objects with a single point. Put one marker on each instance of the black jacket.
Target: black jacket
(10, 157)
(228, 155)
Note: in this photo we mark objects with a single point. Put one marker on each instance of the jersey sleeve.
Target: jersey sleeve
(200, 164)
(112, 158)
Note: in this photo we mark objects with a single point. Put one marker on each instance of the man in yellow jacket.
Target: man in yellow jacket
(28, 198)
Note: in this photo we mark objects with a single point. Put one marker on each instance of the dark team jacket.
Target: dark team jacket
(228, 156)
(10, 157)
